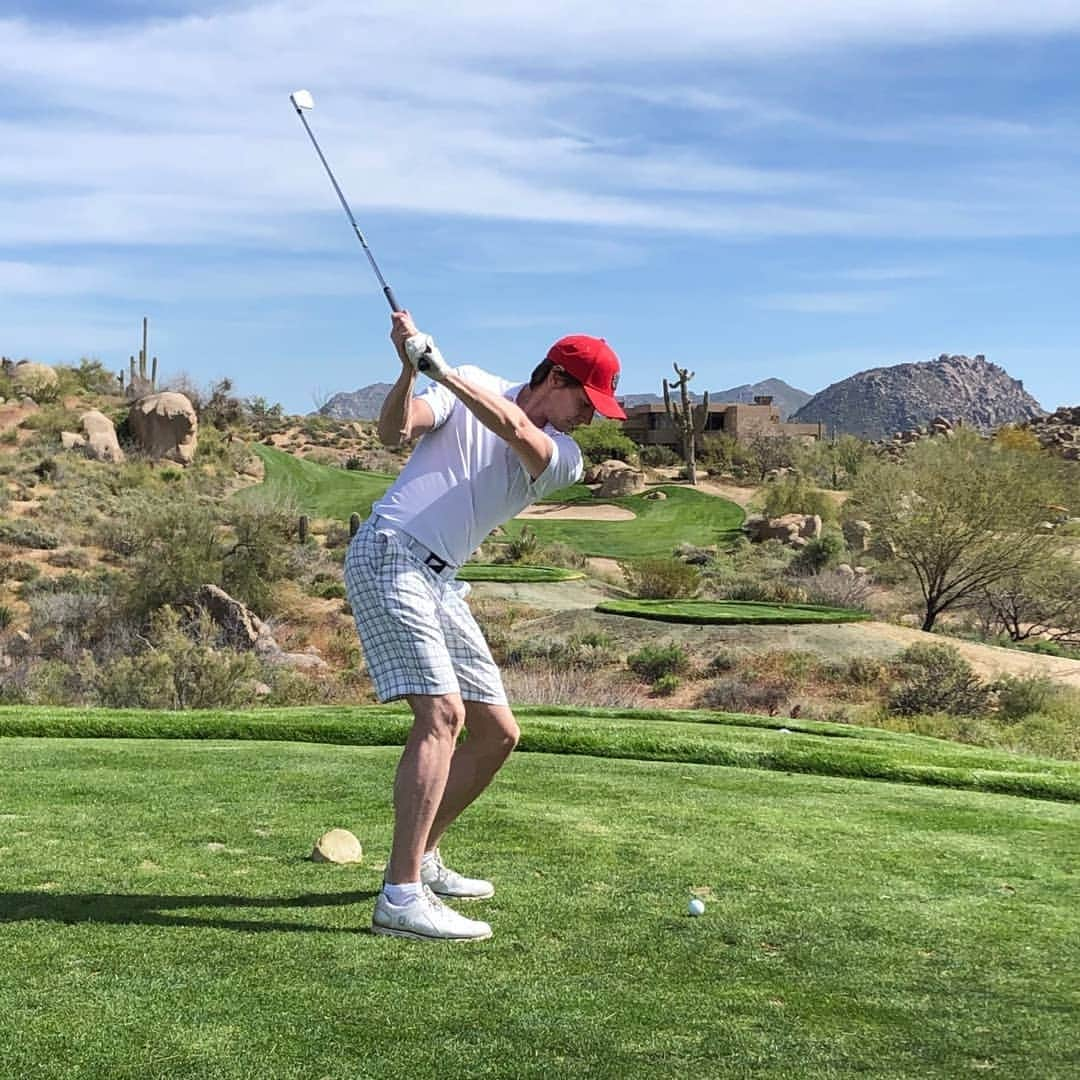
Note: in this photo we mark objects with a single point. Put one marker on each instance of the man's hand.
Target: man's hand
(403, 327)
(424, 355)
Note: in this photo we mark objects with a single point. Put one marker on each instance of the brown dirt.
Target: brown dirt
(577, 512)
(840, 641)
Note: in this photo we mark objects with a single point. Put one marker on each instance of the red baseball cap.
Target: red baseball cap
(593, 362)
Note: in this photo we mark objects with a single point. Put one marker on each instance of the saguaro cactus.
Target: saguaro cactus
(689, 421)
(143, 384)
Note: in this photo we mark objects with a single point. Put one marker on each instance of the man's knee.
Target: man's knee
(442, 717)
(496, 730)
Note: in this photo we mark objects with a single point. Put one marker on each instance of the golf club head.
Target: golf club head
(302, 99)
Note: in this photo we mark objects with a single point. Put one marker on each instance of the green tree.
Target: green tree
(603, 440)
(963, 513)
(767, 452)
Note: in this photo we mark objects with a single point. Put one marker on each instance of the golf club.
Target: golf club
(303, 101)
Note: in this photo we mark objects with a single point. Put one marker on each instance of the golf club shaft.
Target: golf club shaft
(387, 291)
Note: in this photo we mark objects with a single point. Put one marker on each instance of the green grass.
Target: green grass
(515, 573)
(698, 736)
(318, 490)
(160, 919)
(685, 516)
(729, 612)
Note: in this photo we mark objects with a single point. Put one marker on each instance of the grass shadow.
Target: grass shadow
(150, 909)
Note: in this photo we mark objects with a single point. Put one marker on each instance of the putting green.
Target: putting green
(729, 612)
(515, 574)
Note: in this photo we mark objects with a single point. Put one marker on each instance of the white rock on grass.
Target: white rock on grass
(337, 846)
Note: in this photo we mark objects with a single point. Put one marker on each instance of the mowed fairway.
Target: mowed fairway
(685, 516)
(319, 490)
(160, 920)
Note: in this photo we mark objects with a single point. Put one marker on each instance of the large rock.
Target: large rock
(34, 379)
(597, 474)
(241, 628)
(101, 442)
(795, 530)
(857, 535)
(337, 846)
(166, 427)
(623, 482)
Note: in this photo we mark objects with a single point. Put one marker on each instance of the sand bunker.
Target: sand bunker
(577, 512)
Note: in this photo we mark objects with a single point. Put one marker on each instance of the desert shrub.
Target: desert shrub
(760, 589)
(724, 661)
(329, 590)
(22, 533)
(177, 548)
(654, 661)
(739, 695)
(666, 685)
(7, 615)
(70, 558)
(695, 556)
(260, 554)
(864, 671)
(521, 548)
(719, 452)
(21, 570)
(604, 441)
(658, 456)
(937, 679)
(182, 670)
(661, 578)
(1021, 696)
(91, 377)
(795, 494)
(819, 554)
(833, 589)
(563, 555)
(1010, 437)
(9, 436)
(49, 422)
(584, 652)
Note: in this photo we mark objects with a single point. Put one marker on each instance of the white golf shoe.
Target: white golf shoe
(425, 919)
(449, 883)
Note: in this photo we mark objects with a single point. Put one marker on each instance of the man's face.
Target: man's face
(570, 406)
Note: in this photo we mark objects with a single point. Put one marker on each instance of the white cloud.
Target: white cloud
(178, 132)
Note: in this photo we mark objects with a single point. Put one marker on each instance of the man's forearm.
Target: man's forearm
(394, 416)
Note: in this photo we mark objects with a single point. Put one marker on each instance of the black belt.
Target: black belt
(433, 562)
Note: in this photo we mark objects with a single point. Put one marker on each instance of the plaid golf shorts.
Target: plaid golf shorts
(417, 632)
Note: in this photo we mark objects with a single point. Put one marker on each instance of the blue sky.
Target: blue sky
(755, 190)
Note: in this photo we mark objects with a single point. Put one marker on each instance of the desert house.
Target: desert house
(650, 425)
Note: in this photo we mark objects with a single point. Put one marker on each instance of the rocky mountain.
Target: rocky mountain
(362, 404)
(877, 403)
(786, 398)
(365, 403)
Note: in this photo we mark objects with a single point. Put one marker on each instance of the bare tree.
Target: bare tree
(1040, 601)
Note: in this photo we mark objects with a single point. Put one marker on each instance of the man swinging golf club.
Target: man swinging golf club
(487, 449)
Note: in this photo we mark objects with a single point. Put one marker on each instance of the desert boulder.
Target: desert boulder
(166, 427)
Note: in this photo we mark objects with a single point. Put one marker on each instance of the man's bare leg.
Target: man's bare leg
(421, 779)
(493, 734)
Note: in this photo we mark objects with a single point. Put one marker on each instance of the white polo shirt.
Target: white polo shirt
(462, 480)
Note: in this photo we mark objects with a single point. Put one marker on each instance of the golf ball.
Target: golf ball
(697, 907)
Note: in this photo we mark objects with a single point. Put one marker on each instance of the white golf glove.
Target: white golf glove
(424, 355)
